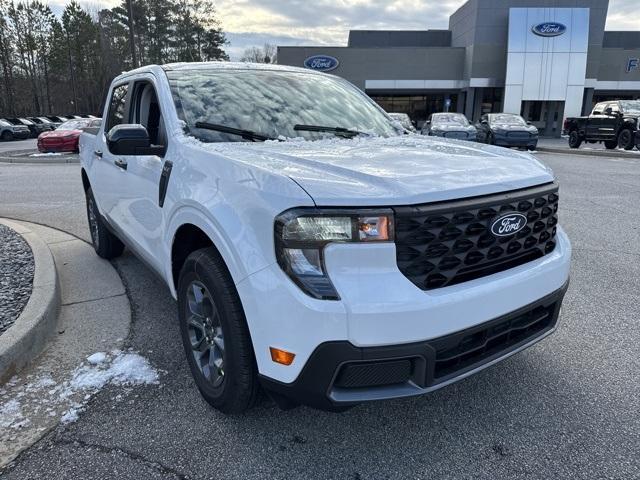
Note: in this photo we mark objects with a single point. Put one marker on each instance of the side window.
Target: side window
(598, 109)
(117, 107)
(614, 107)
(146, 112)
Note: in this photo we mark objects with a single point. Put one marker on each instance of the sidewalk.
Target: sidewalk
(94, 316)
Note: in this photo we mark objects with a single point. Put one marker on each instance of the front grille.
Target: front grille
(458, 135)
(518, 134)
(446, 243)
(463, 351)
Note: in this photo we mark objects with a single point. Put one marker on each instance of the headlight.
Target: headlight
(301, 235)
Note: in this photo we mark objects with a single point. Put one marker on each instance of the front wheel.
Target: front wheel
(574, 139)
(610, 144)
(7, 136)
(491, 139)
(215, 334)
(105, 243)
(625, 139)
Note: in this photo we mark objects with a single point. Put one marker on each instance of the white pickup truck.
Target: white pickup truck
(316, 250)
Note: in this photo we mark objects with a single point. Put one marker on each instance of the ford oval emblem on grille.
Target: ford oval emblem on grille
(549, 29)
(508, 224)
(323, 63)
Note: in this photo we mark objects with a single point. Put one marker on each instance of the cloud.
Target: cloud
(322, 22)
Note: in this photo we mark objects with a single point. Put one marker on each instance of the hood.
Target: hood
(453, 128)
(400, 170)
(514, 128)
(60, 133)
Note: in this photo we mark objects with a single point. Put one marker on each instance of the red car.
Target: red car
(65, 137)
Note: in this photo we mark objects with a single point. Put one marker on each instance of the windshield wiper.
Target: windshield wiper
(246, 134)
(339, 131)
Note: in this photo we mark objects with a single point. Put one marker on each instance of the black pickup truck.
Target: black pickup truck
(616, 123)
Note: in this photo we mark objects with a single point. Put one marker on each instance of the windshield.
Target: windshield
(449, 119)
(630, 106)
(74, 125)
(272, 104)
(507, 119)
(44, 120)
(4, 123)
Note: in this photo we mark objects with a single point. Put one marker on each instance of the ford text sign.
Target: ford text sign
(324, 63)
(549, 29)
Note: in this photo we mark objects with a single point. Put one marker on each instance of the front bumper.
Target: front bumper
(380, 307)
(21, 134)
(339, 374)
(504, 140)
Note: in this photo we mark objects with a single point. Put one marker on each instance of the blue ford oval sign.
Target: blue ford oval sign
(549, 29)
(323, 63)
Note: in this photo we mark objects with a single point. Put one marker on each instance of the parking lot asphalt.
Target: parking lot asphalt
(565, 408)
(28, 144)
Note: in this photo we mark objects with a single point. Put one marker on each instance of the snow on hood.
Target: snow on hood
(385, 171)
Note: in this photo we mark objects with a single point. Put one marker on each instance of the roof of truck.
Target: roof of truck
(219, 66)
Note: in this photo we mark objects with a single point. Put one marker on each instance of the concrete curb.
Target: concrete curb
(589, 153)
(23, 156)
(26, 338)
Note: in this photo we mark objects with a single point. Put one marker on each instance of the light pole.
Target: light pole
(131, 35)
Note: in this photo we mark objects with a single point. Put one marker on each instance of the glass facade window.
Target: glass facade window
(418, 107)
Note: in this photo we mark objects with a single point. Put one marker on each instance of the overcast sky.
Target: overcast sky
(327, 22)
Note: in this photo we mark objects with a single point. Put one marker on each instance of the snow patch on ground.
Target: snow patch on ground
(41, 396)
(49, 154)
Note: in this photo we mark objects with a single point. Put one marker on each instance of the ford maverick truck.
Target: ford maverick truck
(614, 123)
(316, 250)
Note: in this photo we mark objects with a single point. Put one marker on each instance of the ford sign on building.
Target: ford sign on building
(545, 60)
(549, 29)
(323, 63)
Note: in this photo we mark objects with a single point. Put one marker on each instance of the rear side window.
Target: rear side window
(117, 107)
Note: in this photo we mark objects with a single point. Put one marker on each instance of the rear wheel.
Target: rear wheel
(574, 139)
(215, 334)
(610, 144)
(625, 139)
(105, 243)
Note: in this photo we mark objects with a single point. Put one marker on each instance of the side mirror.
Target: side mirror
(484, 122)
(608, 111)
(128, 139)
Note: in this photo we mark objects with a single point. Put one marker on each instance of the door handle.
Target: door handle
(97, 153)
(120, 163)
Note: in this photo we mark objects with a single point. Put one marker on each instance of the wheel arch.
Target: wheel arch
(86, 184)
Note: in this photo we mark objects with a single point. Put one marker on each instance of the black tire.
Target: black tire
(105, 243)
(531, 148)
(7, 136)
(625, 139)
(610, 144)
(230, 385)
(491, 139)
(574, 139)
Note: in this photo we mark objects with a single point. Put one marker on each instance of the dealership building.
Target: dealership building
(543, 59)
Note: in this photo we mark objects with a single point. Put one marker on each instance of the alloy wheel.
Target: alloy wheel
(93, 222)
(205, 333)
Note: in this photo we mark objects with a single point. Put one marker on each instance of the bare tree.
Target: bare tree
(265, 54)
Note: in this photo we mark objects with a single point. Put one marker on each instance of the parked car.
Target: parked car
(65, 137)
(57, 120)
(404, 120)
(615, 123)
(11, 131)
(507, 130)
(34, 129)
(44, 122)
(449, 125)
(329, 271)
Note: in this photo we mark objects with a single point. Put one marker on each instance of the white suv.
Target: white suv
(314, 249)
